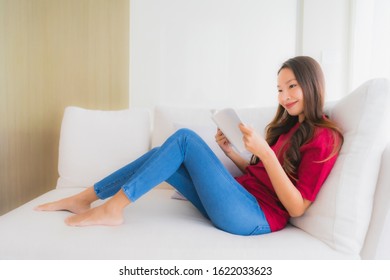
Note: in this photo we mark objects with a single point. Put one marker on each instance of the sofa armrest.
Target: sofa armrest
(377, 243)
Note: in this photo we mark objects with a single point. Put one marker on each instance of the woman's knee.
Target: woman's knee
(185, 132)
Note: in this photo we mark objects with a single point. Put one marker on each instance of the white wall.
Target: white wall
(220, 53)
(370, 41)
(326, 37)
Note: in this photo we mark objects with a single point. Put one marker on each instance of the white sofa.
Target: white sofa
(349, 220)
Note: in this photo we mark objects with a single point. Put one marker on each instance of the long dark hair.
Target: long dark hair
(310, 77)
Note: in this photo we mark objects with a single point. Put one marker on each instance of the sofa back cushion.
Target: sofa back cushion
(166, 118)
(95, 143)
(341, 214)
(377, 242)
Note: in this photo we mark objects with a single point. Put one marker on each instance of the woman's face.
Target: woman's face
(290, 94)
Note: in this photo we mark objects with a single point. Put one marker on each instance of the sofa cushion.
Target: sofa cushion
(155, 228)
(377, 242)
(341, 214)
(95, 143)
(165, 118)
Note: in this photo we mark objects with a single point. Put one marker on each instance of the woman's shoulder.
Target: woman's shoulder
(320, 131)
(323, 137)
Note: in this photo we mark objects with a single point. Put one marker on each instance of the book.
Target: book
(228, 121)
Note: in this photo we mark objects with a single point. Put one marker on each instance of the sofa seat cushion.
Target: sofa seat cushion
(156, 227)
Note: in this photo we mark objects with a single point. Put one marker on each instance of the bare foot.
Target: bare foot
(107, 214)
(77, 204)
(101, 215)
(71, 204)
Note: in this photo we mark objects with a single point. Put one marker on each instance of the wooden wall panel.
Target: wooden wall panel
(54, 53)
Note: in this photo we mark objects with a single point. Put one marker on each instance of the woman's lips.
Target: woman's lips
(289, 105)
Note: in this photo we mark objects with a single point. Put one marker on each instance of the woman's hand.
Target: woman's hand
(253, 141)
(288, 194)
(227, 148)
(223, 142)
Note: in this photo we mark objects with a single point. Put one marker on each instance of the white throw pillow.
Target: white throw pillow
(95, 143)
(341, 213)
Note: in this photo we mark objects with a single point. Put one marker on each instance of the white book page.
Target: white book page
(227, 121)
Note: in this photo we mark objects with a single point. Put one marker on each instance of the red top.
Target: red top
(311, 174)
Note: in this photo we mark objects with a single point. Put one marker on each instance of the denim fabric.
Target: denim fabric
(188, 164)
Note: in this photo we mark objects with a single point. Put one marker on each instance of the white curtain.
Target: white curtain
(370, 41)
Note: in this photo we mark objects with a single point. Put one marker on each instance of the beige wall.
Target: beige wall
(54, 53)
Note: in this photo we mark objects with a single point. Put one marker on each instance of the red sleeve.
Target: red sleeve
(313, 170)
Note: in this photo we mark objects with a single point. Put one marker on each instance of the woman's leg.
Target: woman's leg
(217, 194)
(182, 182)
(211, 188)
(111, 184)
(105, 188)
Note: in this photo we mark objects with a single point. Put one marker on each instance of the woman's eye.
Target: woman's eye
(292, 86)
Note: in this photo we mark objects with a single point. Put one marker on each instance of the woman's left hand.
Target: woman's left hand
(253, 141)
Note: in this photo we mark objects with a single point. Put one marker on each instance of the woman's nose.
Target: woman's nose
(285, 96)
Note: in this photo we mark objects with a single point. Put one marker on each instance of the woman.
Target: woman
(282, 179)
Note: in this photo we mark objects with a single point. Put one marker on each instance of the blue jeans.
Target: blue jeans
(189, 165)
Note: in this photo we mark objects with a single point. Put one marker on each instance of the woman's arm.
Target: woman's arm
(224, 144)
(287, 193)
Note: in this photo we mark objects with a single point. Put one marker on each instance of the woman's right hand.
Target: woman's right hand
(227, 148)
(223, 142)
